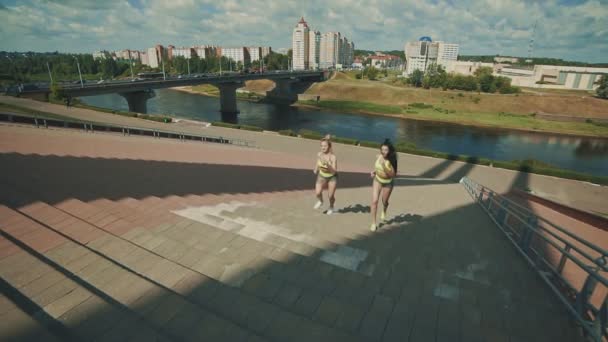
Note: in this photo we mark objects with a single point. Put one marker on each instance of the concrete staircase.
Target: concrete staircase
(240, 268)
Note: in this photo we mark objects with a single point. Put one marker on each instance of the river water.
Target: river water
(589, 155)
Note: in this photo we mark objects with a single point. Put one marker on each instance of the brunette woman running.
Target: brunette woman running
(385, 170)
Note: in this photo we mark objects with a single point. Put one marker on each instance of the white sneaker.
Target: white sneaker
(330, 211)
(373, 227)
(318, 205)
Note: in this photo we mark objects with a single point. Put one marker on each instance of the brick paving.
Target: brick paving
(116, 238)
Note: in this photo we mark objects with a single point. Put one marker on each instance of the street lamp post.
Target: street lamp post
(49, 69)
(79, 74)
(188, 61)
(164, 75)
(131, 67)
(14, 67)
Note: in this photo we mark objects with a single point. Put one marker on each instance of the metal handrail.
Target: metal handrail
(591, 245)
(125, 130)
(594, 320)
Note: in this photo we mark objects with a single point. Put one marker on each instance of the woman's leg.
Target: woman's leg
(331, 191)
(319, 192)
(386, 195)
(376, 188)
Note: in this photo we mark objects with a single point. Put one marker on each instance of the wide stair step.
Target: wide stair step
(94, 291)
(306, 287)
(171, 274)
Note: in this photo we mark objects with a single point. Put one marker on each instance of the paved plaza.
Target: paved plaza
(113, 238)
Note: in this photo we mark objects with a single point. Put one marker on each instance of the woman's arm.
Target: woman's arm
(390, 172)
(316, 168)
(332, 167)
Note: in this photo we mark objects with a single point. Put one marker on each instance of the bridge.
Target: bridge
(138, 91)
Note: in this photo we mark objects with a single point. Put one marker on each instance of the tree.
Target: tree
(602, 90)
(371, 73)
(483, 71)
(486, 83)
(416, 78)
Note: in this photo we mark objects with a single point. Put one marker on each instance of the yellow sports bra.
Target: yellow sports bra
(323, 170)
(380, 174)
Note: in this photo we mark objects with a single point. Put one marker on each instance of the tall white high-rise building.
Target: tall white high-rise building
(314, 49)
(421, 54)
(330, 47)
(300, 43)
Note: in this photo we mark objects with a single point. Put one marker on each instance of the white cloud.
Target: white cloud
(573, 31)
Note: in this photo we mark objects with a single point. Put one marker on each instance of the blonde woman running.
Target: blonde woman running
(326, 169)
(385, 170)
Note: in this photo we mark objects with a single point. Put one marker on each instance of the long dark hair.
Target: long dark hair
(392, 153)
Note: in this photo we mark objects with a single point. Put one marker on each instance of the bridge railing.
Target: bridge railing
(45, 122)
(574, 268)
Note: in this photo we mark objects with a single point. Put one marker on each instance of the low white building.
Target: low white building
(153, 58)
(236, 54)
(541, 76)
(254, 53)
(464, 67)
(185, 52)
(102, 54)
(556, 77)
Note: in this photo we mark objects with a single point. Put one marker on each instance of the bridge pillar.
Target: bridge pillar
(228, 97)
(286, 90)
(137, 100)
(283, 92)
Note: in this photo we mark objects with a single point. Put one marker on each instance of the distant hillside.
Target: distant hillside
(363, 53)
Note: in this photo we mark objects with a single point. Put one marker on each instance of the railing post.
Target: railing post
(502, 212)
(490, 198)
(600, 324)
(528, 233)
(582, 298)
(563, 259)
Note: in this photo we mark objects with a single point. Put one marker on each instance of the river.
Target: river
(589, 155)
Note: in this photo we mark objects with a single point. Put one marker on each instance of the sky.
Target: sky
(568, 29)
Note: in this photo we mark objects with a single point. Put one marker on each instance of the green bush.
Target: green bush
(509, 90)
(251, 128)
(347, 141)
(411, 111)
(371, 144)
(420, 105)
(358, 76)
(288, 132)
(225, 124)
(308, 134)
